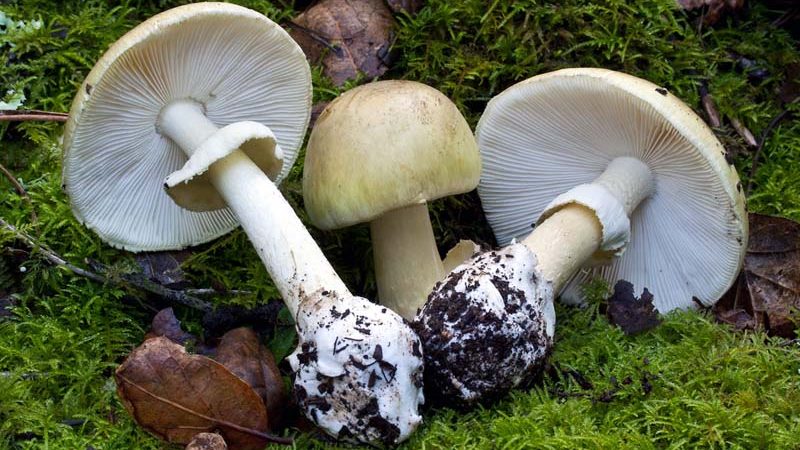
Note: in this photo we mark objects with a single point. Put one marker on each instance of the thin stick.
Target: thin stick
(137, 282)
(216, 320)
(32, 114)
(21, 191)
(211, 291)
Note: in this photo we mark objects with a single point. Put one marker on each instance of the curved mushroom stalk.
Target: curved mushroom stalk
(590, 221)
(489, 325)
(358, 366)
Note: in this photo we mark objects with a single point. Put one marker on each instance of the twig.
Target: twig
(143, 283)
(32, 114)
(215, 320)
(138, 282)
(210, 291)
(25, 375)
(756, 155)
(21, 191)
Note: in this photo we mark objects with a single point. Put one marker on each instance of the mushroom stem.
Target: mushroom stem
(565, 240)
(294, 261)
(407, 262)
(629, 180)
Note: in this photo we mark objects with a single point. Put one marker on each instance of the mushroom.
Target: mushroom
(209, 101)
(377, 154)
(613, 170)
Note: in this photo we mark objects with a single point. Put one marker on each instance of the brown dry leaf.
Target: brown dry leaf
(166, 324)
(175, 395)
(767, 293)
(716, 8)
(207, 441)
(347, 36)
(242, 353)
(407, 6)
(164, 268)
(633, 315)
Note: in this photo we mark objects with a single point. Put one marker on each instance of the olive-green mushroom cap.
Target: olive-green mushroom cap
(384, 146)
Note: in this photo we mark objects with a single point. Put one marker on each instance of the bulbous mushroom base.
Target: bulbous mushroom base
(358, 370)
(487, 327)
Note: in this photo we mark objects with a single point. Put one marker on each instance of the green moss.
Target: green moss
(710, 387)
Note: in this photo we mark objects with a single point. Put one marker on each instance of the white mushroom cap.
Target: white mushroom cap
(234, 63)
(546, 135)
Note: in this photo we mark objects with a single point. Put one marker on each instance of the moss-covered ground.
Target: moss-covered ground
(691, 383)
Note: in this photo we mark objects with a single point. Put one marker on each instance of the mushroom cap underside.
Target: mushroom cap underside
(552, 132)
(236, 63)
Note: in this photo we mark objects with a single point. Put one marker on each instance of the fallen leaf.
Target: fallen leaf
(405, 6)
(207, 441)
(175, 395)
(346, 36)
(166, 324)
(633, 315)
(164, 268)
(767, 293)
(716, 9)
(242, 353)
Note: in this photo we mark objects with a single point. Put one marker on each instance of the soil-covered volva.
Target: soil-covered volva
(487, 327)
